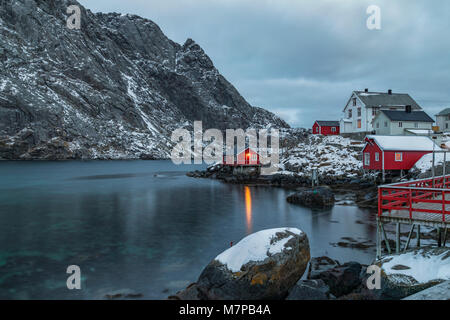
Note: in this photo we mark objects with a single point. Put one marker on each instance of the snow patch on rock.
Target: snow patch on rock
(421, 265)
(255, 247)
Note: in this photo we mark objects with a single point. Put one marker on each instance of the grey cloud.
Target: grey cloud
(302, 59)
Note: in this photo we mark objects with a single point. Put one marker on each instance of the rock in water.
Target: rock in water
(115, 89)
(263, 265)
(320, 197)
(342, 279)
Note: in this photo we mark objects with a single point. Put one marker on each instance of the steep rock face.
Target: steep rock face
(116, 88)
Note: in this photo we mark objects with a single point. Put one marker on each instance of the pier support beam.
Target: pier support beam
(418, 236)
(439, 238)
(386, 240)
(397, 244)
(378, 239)
(409, 238)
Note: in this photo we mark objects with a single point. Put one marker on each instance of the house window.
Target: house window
(377, 156)
(254, 158)
(378, 125)
(350, 114)
(385, 124)
(359, 124)
(317, 129)
(400, 124)
(354, 101)
(448, 117)
(367, 159)
(416, 124)
(374, 112)
(398, 156)
(359, 112)
(333, 129)
(446, 125)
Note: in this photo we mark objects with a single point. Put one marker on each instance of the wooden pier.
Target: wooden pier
(419, 202)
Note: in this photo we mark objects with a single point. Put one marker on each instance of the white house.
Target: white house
(402, 122)
(363, 106)
(443, 120)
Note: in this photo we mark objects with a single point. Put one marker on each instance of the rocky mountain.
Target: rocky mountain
(114, 89)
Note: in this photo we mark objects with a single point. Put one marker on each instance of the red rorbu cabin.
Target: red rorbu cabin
(395, 152)
(326, 128)
(247, 157)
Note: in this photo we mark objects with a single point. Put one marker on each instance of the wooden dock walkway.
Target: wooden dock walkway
(420, 202)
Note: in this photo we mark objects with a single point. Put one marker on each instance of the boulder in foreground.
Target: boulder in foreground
(262, 266)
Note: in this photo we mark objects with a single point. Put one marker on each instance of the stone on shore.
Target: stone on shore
(309, 290)
(321, 197)
(264, 265)
(342, 279)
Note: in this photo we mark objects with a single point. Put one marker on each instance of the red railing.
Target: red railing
(407, 196)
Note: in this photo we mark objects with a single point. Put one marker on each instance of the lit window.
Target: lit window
(398, 156)
(377, 156)
(359, 124)
(367, 159)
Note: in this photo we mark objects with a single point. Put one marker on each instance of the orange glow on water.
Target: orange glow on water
(248, 208)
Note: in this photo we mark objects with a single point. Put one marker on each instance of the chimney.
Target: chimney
(408, 109)
(366, 90)
(390, 91)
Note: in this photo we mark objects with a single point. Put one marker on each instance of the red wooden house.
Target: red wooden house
(247, 157)
(395, 152)
(327, 128)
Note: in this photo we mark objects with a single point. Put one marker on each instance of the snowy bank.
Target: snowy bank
(423, 265)
(330, 155)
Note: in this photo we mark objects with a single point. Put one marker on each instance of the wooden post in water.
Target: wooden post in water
(439, 238)
(378, 240)
(418, 236)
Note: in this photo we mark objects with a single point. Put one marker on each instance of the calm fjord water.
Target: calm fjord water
(140, 225)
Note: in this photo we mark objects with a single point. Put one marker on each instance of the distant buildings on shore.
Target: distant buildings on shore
(383, 113)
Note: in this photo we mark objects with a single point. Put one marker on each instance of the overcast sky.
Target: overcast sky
(301, 59)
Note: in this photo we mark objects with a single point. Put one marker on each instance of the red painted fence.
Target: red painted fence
(407, 195)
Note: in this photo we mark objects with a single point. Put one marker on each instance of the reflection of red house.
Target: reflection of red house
(247, 157)
(395, 152)
(327, 128)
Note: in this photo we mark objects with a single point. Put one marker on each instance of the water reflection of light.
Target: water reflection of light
(248, 209)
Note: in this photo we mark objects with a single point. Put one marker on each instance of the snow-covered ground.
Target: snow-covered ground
(255, 247)
(330, 155)
(419, 264)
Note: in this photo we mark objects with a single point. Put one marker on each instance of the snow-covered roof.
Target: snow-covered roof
(420, 131)
(406, 143)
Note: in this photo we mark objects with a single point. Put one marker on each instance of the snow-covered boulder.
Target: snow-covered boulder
(414, 271)
(263, 265)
